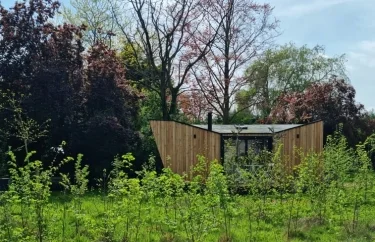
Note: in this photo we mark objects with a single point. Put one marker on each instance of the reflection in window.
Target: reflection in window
(257, 145)
(246, 153)
(242, 147)
(229, 150)
(241, 144)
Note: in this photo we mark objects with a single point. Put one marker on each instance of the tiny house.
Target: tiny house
(179, 143)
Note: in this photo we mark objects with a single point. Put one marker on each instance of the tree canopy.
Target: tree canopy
(289, 68)
(247, 30)
(82, 92)
(95, 79)
(332, 102)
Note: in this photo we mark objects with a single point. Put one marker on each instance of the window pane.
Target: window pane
(257, 145)
(241, 147)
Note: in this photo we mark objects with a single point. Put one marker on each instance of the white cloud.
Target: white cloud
(360, 66)
(365, 59)
(308, 7)
(367, 46)
(363, 55)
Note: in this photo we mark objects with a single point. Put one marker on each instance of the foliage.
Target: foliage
(138, 72)
(47, 74)
(43, 63)
(149, 109)
(18, 126)
(83, 94)
(171, 40)
(110, 109)
(30, 191)
(95, 15)
(329, 196)
(194, 105)
(332, 102)
(289, 68)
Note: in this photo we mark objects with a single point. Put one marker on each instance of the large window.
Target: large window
(242, 145)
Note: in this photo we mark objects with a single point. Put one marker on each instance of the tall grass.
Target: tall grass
(328, 196)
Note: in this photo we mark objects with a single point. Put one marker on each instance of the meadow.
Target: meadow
(328, 197)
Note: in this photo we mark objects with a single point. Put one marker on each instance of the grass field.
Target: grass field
(328, 197)
(251, 221)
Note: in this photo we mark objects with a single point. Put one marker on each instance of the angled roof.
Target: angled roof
(249, 129)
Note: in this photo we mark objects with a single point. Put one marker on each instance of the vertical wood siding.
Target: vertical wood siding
(178, 148)
(310, 140)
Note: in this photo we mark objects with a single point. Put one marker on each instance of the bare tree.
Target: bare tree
(96, 15)
(173, 37)
(247, 30)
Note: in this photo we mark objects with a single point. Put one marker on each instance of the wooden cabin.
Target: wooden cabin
(180, 143)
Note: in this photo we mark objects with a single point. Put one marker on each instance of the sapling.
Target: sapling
(20, 125)
(9, 231)
(361, 180)
(197, 206)
(77, 189)
(311, 181)
(282, 180)
(338, 161)
(31, 184)
(128, 201)
(112, 186)
(171, 188)
(149, 187)
(365, 165)
(65, 182)
(217, 188)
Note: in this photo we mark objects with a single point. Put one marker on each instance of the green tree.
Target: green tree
(43, 62)
(289, 68)
(96, 16)
(84, 94)
(244, 112)
(16, 124)
(137, 71)
(111, 108)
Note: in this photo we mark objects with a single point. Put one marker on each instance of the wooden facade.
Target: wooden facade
(179, 144)
(305, 138)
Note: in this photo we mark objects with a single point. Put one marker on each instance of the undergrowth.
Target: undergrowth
(327, 197)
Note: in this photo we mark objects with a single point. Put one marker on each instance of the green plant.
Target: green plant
(20, 125)
(217, 188)
(76, 191)
(328, 197)
(30, 190)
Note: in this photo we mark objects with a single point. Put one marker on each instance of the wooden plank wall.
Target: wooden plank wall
(310, 139)
(179, 149)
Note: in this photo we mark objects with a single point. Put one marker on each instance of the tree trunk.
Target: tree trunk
(173, 105)
(226, 110)
(227, 40)
(163, 102)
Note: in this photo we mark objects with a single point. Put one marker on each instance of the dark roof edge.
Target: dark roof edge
(249, 134)
(190, 125)
(302, 125)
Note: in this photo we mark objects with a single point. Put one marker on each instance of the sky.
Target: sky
(341, 26)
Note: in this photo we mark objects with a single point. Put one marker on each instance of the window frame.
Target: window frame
(269, 140)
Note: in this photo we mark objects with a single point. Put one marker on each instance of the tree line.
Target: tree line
(93, 73)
